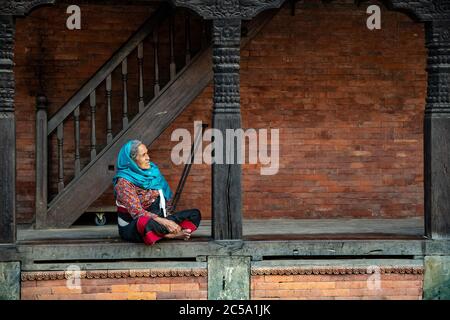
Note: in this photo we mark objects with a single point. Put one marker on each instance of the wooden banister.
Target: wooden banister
(41, 161)
(116, 59)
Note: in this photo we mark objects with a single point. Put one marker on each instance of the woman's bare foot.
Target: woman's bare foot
(183, 234)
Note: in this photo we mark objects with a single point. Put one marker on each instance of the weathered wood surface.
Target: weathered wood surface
(437, 132)
(97, 244)
(226, 174)
(258, 250)
(7, 131)
(279, 229)
(226, 38)
(41, 158)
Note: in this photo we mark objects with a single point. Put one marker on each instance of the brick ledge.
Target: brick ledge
(202, 272)
(320, 270)
(111, 274)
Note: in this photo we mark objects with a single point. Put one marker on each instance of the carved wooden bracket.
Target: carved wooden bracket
(21, 7)
(424, 10)
(228, 9)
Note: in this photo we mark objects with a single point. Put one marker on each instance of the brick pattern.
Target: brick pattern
(348, 102)
(338, 287)
(138, 288)
(266, 283)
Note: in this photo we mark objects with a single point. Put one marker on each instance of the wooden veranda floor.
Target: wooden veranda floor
(97, 247)
(268, 229)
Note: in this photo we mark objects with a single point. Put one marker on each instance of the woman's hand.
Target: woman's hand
(171, 226)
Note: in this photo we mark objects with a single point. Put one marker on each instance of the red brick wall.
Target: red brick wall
(131, 288)
(315, 283)
(67, 59)
(348, 103)
(338, 287)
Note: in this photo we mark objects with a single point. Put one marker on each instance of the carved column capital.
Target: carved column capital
(438, 67)
(21, 7)
(228, 9)
(424, 10)
(6, 64)
(226, 65)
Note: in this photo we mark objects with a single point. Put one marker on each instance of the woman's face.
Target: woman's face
(142, 158)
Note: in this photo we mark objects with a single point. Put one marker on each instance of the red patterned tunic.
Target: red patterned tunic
(135, 199)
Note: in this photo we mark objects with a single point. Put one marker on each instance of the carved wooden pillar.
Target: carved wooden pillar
(8, 10)
(437, 131)
(226, 178)
(436, 16)
(7, 131)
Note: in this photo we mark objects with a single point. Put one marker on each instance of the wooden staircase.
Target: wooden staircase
(153, 117)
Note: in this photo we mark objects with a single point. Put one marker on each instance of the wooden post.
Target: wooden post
(173, 68)
(41, 162)
(437, 132)
(124, 94)
(76, 127)
(8, 132)
(226, 178)
(141, 75)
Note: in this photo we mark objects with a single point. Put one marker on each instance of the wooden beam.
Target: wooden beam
(102, 251)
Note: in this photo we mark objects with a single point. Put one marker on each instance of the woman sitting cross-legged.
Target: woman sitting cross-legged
(141, 194)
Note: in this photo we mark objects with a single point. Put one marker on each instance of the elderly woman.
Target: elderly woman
(141, 196)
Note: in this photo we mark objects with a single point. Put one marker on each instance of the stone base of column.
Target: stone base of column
(229, 278)
(436, 282)
(9, 280)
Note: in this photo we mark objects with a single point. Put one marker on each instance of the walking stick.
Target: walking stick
(186, 169)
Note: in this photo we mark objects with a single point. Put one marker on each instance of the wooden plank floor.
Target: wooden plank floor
(268, 229)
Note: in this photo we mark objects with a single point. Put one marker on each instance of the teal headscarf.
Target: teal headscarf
(146, 179)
